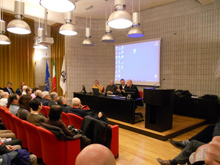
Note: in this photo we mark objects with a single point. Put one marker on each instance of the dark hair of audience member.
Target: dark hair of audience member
(34, 104)
(34, 90)
(27, 89)
(60, 100)
(55, 112)
(24, 102)
(11, 98)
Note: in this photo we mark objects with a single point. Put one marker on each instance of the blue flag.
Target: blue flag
(47, 85)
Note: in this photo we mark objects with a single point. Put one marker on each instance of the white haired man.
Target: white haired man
(45, 98)
(54, 97)
(4, 99)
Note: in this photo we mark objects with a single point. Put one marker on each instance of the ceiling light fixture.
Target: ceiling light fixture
(108, 37)
(88, 41)
(18, 26)
(68, 28)
(4, 40)
(136, 31)
(36, 44)
(120, 19)
(58, 5)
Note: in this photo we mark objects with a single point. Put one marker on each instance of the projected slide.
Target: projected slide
(139, 62)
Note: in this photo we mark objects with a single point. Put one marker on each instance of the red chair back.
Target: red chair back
(57, 151)
(33, 139)
(65, 119)
(115, 140)
(21, 133)
(45, 110)
(5, 121)
(141, 94)
(75, 120)
(2, 111)
(11, 122)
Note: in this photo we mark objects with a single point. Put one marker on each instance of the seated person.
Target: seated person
(77, 110)
(39, 94)
(24, 90)
(4, 99)
(33, 94)
(13, 103)
(34, 117)
(24, 109)
(28, 91)
(98, 86)
(8, 88)
(204, 136)
(54, 120)
(45, 98)
(53, 99)
(97, 154)
(19, 90)
(8, 159)
(191, 147)
(122, 86)
(62, 102)
(131, 86)
(112, 88)
(1, 91)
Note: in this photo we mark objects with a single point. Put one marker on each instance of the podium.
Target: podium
(159, 108)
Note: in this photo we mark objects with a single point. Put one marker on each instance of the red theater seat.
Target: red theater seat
(21, 133)
(55, 152)
(65, 119)
(75, 120)
(33, 139)
(45, 110)
(11, 121)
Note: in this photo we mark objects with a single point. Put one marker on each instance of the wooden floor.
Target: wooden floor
(137, 149)
(181, 124)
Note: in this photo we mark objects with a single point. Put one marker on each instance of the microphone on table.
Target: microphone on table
(159, 82)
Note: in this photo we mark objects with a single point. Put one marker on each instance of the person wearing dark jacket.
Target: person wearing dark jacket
(19, 90)
(11, 157)
(45, 98)
(53, 99)
(112, 88)
(8, 88)
(130, 85)
(191, 147)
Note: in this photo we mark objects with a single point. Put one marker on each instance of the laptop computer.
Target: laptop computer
(95, 91)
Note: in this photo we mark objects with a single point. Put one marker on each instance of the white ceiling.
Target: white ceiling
(34, 10)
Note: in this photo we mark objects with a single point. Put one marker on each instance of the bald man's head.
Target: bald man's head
(129, 83)
(95, 154)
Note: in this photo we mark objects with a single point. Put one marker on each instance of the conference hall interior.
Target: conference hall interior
(109, 82)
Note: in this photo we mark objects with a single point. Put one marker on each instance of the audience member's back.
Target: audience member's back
(33, 116)
(24, 109)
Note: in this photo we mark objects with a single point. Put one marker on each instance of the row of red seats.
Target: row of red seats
(72, 119)
(44, 144)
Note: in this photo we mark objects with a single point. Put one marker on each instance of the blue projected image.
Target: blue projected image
(139, 62)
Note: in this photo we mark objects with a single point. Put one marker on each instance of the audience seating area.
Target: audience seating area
(44, 144)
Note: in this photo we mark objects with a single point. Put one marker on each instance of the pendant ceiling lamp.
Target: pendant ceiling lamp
(4, 40)
(88, 41)
(68, 28)
(58, 5)
(40, 33)
(120, 19)
(108, 37)
(136, 31)
(18, 26)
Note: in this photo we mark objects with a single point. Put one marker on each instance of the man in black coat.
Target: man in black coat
(131, 86)
(8, 88)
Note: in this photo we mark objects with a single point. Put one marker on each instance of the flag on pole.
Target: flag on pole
(54, 76)
(63, 77)
(47, 76)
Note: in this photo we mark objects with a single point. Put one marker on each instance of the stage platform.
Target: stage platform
(181, 124)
